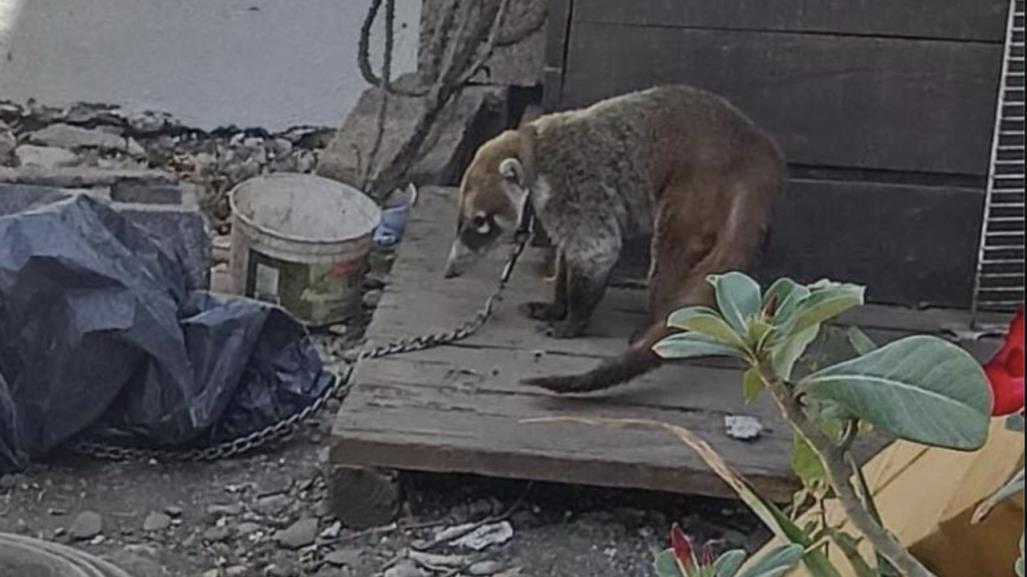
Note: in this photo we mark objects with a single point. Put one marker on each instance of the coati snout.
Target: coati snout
(675, 162)
(492, 197)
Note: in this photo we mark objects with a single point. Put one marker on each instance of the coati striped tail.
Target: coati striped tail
(633, 363)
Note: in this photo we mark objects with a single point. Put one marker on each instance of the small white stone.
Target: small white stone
(44, 156)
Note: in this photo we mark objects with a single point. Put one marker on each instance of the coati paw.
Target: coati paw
(543, 311)
(566, 330)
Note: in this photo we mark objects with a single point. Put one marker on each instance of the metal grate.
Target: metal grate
(999, 285)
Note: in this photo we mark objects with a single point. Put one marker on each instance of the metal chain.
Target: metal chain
(343, 385)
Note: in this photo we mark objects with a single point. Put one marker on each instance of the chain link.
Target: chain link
(340, 389)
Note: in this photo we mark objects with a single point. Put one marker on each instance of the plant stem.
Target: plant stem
(838, 475)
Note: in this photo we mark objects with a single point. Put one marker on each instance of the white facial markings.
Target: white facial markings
(481, 224)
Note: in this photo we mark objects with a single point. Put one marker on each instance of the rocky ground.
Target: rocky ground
(264, 514)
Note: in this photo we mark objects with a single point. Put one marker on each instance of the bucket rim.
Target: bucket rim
(240, 217)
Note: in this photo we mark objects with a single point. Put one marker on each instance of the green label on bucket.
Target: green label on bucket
(317, 293)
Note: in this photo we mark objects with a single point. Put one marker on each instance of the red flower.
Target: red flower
(683, 550)
(1005, 371)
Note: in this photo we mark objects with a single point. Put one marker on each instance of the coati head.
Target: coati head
(492, 196)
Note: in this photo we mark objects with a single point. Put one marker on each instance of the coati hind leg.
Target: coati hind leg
(677, 247)
(684, 259)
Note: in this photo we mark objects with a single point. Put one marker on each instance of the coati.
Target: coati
(675, 162)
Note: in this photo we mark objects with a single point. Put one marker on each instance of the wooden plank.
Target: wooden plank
(557, 29)
(461, 408)
(912, 245)
(844, 101)
(973, 20)
(898, 211)
(435, 429)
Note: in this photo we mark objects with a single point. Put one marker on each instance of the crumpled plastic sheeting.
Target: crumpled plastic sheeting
(100, 340)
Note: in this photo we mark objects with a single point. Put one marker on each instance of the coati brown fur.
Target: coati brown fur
(675, 162)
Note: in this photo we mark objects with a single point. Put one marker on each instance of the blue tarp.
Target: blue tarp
(101, 340)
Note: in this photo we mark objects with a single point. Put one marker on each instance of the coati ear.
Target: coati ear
(511, 170)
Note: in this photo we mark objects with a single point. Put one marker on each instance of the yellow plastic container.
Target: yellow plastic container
(927, 499)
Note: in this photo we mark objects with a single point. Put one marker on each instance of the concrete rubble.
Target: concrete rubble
(170, 179)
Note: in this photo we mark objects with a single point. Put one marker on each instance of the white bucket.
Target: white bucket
(301, 241)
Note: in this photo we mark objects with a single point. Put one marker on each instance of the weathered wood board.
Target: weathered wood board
(974, 20)
(459, 409)
(831, 100)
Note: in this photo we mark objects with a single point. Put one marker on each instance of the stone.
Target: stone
(331, 532)
(174, 511)
(743, 427)
(8, 143)
(486, 536)
(485, 568)
(281, 147)
(145, 192)
(76, 137)
(246, 529)
(218, 511)
(478, 114)
(138, 560)
(217, 534)
(8, 482)
(79, 176)
(300, 534)
(156, 522)
(344, 557)
(405, 568)
(272, 505)
(372, 298)
(150, 121)
(361, 497)
(44, 156)
(86, 526)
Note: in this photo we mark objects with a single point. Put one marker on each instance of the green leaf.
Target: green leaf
(706, 321)
(826, 303)
(1012, 488)
(738, 298)
(776, 563)
(788, 295)
(785, 354)
(921, 388)
(693, 345)
(729, 563)
(860, 341)
(806, 462)
(752, 385)
(760, 332)
(667, 565)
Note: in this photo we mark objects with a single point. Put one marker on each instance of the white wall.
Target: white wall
(266, 63)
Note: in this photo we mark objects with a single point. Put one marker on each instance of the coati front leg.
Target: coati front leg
(585, 268)
(556, 310)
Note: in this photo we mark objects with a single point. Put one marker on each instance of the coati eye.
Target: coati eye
(481, 224)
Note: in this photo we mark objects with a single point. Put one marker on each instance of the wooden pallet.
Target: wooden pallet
(458, 409)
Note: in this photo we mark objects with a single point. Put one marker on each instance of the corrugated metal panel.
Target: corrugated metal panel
(999, 285)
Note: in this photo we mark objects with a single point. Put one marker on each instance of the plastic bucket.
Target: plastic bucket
(302, 241)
